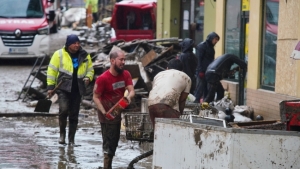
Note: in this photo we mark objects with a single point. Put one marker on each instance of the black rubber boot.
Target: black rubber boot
(72, 132)
(107, 163)
(62, 131)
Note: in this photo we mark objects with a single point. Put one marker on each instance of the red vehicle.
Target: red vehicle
(25, 26)
(134, 19)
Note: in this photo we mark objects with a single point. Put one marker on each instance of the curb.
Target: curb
(27, 114)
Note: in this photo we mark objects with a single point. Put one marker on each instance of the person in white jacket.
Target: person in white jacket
(169, 92)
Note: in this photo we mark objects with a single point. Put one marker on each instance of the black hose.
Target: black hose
(138, 158)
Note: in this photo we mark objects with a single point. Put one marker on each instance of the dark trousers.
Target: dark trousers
(110, 136)
(193, 86)
(69, 104)
(162, 111)
(95, 17)
(212, 89)
(201, 89)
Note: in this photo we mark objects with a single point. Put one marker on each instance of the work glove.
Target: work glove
(201, 75)
(86, 81)
(204, 106)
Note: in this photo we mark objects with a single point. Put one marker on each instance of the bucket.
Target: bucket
(117, 109)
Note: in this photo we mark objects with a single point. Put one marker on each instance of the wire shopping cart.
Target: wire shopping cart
(138, 127)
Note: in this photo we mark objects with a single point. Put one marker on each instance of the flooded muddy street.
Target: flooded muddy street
(32, 142)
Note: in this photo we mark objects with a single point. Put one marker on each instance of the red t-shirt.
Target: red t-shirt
(112, 89)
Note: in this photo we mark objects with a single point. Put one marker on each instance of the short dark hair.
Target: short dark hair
(113, 54)
(175, 64)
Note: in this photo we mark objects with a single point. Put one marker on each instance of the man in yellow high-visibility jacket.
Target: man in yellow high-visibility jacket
(94, 5)
(73, 66)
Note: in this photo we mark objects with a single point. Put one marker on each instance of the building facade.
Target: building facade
(266, 36)
(262, 32)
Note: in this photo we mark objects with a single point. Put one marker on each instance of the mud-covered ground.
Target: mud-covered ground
(32, 142)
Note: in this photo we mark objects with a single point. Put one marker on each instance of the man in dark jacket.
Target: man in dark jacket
(189, 60)
(205, 53)
(217, 70)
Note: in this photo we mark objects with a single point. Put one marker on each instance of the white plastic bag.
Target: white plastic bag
(296, 52)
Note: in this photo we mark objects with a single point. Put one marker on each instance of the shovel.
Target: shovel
(43, 105)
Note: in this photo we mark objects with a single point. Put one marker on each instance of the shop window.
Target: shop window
(185, 28)
(199, 20)
(269, 44)
(232, 30)
(192, 25)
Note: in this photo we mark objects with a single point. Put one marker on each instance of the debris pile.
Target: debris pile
(144, 59)
(73, 17)
(95, 37)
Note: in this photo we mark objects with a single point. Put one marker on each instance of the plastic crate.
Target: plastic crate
(191, 108)
(187, 112)
(138, 127)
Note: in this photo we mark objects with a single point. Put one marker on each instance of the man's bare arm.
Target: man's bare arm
(131, 92)
(98, 102)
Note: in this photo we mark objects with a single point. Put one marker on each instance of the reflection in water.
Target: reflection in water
(66, 157)
(31, 142)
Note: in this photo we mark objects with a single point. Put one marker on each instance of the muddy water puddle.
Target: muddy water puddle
(32, 142)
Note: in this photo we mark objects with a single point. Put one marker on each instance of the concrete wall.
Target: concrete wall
(167, 12)
(183, 145)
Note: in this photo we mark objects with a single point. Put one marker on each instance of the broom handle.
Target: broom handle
(56, 87)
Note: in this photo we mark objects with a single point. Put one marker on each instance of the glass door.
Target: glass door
(185, 21)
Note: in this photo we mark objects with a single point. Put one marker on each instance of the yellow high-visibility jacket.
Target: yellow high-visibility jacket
(61, 67)
(94, 5)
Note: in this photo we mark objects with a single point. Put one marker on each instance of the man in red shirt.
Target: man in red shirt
(108, 90)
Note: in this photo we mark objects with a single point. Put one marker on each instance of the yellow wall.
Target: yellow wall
(209, 17)
(167, 12)
(254, 53)
(219, 26)
(175, 15)
(160, 19)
